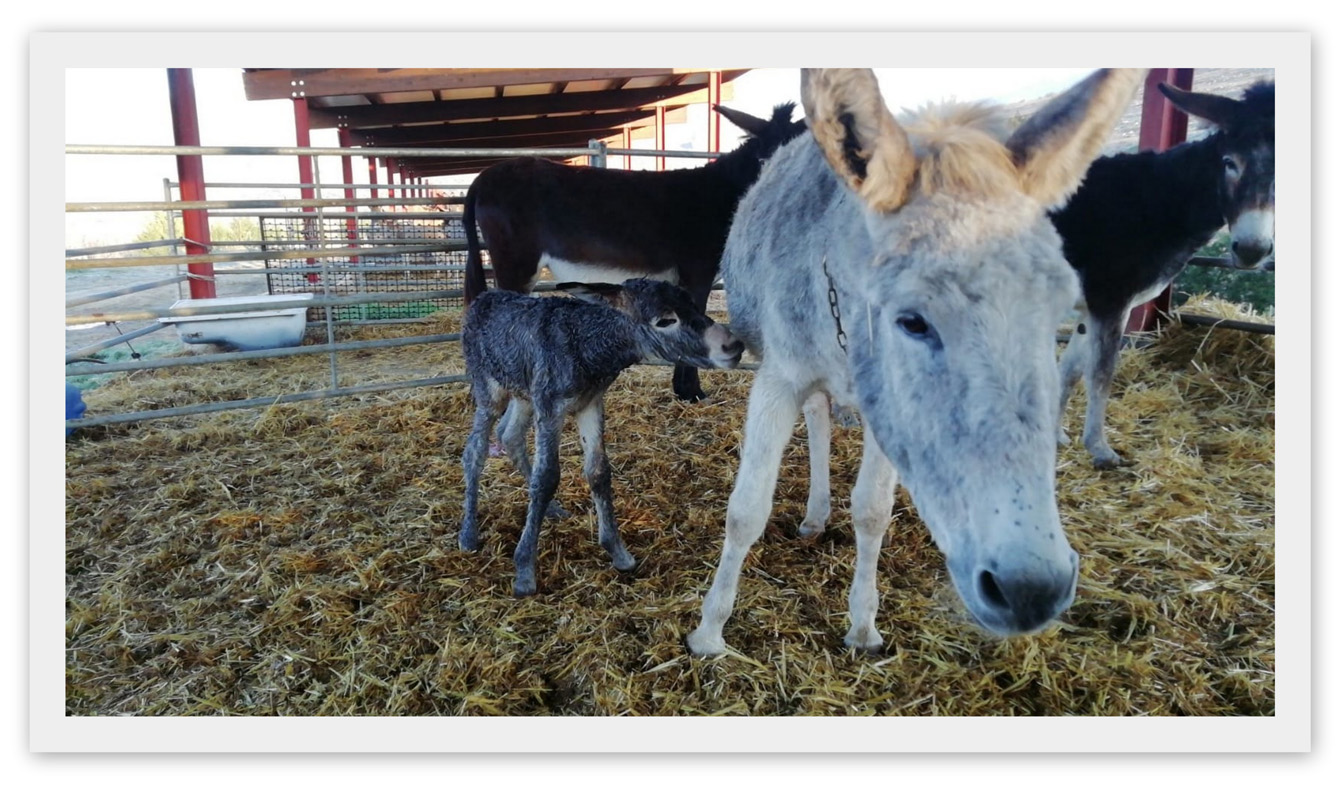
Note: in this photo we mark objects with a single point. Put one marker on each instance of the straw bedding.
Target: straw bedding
(302, 560)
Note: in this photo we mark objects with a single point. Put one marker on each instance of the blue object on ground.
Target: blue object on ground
(74, 405)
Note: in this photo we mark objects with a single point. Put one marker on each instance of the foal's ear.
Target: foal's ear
(744, 121)
(859, 137)
(1219, 110)
(594, 292)
(1054, 147)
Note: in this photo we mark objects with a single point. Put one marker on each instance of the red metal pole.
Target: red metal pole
(191, 176)
(347, 170)
(714, 120)
(303, 128)
(1162, 127)
(372, 174)
(661, 137)
(628, 145)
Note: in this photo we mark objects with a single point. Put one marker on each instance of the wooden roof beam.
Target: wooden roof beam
(362, 117)
(501, 129)
(316, 82)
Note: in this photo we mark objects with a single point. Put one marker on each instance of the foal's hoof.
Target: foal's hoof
(468, 543)
(521, 588)
(556, 511)
(625, 564)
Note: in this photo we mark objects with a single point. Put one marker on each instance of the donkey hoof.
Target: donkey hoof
(691, 396)
(624, 563)
(556, 511)
(1109, 461)
(811, 529)
(701, 643)
(866, 641)
(468, 543)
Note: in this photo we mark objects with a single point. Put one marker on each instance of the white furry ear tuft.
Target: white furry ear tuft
(860, 139)
(1054, 148)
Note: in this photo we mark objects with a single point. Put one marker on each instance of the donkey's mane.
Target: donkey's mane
(960, 150)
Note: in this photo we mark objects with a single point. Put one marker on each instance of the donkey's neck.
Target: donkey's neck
(1189, 183)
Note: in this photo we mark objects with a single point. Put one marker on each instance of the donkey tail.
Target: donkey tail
(475, 282)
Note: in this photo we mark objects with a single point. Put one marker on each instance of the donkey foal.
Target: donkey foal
(555, 356)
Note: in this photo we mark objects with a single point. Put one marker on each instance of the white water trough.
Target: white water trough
(244, 329)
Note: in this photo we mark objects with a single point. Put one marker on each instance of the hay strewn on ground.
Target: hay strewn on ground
(302, 560)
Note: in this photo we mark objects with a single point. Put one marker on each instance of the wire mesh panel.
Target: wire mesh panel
(383, 273)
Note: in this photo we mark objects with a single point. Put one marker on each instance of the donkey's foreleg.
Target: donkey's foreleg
(472, 460)
(544, 482)
(1106, 336)
(818, 436)
(1070, 367)
(513, 428)
(872, 505)
(684, 380)
(768, 425)
(596, 469)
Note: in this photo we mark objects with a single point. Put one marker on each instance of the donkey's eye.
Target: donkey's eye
(666, 322)
(913, 325)
(1230, 164)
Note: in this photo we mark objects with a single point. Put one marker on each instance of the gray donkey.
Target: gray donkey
(553, 356)
(909, 269)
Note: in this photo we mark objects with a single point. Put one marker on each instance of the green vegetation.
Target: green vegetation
(1255, 289)
(236, 229)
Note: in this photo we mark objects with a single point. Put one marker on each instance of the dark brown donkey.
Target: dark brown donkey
(589, 224)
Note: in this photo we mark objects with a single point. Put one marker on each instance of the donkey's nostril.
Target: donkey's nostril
(991, 592)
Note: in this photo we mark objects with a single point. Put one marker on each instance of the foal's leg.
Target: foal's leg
(544, 482)
(816, 410)
(768, 425)
(472, 460)
(596, 469)
(1073, 363)
(872, 504)
(1106, 336)
(516, 423)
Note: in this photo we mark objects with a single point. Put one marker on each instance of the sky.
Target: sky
(93, 97)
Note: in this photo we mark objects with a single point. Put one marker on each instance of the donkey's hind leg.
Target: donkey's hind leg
(513, 428)
(544, 482)
(872, 505)
(596, 469)
(1106, 345)
(773, 407)
(818, 434)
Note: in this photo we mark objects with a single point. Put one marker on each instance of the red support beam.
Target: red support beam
(372, 174)
(714, 120)
(347, 170)
(191, 176)
(660, 143)
(628, 145)
(1162, 127)
(303, 139)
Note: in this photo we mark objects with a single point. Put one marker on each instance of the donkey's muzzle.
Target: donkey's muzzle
(724, 349)
(1021, 603)
(1249, 256)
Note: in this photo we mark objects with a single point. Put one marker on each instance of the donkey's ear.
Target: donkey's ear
(744, 121)
(1054, 147)
(859, 137)
(594, 292)
(1219, 110)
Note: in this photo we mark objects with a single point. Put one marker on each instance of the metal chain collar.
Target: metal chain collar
(833, 305)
